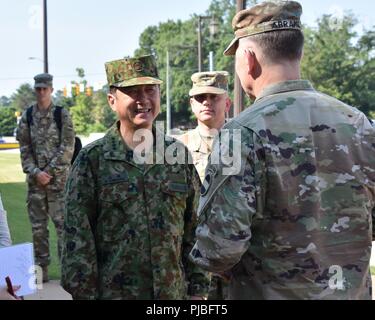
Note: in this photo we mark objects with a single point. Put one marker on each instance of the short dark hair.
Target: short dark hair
(280, 45)
(112, 89)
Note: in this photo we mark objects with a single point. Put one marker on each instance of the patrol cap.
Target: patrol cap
(43, 80)
(129, 72)
(265, 17)
(215, 82)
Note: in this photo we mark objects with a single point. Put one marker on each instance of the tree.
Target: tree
(90, 112)
(82, 115)
(5, 101)
(180, 39)
(23, 98)
(365, 94)
(175, 37)
(81, 75)
(60, 100)
(340, 64)
(8, 121)
(104, 116)
(335, 60)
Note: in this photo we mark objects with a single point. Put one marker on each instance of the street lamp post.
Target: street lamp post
(45, 36)
(200, 43)
(211, 60)
(238, 93)
(168, 85)
(169, 124)
(213, 28)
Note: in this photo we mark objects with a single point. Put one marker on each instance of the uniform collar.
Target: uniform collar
(36, 112)
(196, 143)
(195, 140)
(115, 148)
(291, 85)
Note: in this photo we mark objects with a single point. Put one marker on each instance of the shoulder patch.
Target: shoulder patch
(207, 182)
(93, 145)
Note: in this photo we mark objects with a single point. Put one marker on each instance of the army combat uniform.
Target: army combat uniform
(129, 227)
(295, 221)
(199, 144)
(293, 218)
(44, 148)
(200, 148)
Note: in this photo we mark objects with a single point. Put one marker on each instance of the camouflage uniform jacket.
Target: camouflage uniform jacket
(41, 148)
(295, 221)
(199, 148)
(129, 228)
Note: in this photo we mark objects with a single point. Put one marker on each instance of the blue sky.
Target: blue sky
(86, 33)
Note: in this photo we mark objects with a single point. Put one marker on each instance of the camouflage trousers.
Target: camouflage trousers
(42, 204)
(219, 289)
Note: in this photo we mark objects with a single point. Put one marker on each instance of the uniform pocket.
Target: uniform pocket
(116, 193)
(175, 193)
(115, 214)
(175, 188)
(175, 204)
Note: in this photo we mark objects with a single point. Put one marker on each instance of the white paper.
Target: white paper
(17, 262)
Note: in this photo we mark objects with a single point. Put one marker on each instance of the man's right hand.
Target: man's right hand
(43, 179)
(5, 295)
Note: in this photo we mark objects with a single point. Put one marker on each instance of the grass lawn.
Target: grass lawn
(13, 193)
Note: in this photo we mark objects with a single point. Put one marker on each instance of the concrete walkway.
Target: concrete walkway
(51, 291)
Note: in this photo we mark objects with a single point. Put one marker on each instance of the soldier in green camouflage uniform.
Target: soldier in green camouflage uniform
(294, 219)
(46, 154)
(210, 103)
(129, 226)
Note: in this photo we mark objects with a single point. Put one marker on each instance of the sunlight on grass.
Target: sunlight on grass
(10, 168)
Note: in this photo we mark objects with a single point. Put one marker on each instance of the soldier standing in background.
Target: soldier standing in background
(129, 226)
(210, 103)
(294, 220)
(46, 152)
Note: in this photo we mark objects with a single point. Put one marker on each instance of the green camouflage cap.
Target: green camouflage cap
(215, 82)
(129, 72)
(43, 80)
(264, 17)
